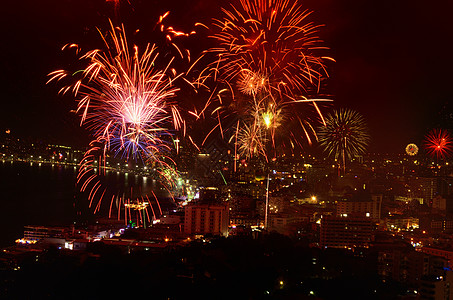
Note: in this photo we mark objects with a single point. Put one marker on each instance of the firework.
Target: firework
(411, 149)
(125, 99)
(271, 126)
(251, 141)
(344, 136)
(268, 55)
(268, 44)
(438, 143)
(95, 165)
(257, 129)
(250, 83)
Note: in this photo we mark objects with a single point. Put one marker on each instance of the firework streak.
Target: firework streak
(267, 63)
(127, 103)
(438, 143)
(345, 135)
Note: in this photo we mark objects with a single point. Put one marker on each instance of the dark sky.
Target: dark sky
(393, 60)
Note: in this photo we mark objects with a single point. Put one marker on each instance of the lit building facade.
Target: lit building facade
(445, 253)
(346, 232)
(437, 287)
(370, 209)
(408, 266)
(40, 232)
(206, 219)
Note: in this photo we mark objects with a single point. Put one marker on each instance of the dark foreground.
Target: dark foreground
(270, 267)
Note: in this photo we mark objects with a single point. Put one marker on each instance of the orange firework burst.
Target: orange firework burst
(438, 143)
(257, 129)
(269, 53)
(268, 44)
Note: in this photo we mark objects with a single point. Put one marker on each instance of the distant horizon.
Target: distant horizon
(314, 150)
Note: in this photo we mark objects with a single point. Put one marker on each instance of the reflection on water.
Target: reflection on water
(46, 194)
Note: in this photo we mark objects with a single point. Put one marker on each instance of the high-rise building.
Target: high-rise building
(437, 287)
(340, 232)
(406, 265)
(206, 218)
(361, 208)
(425, 187)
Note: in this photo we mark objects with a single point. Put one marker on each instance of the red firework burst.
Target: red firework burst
(438, 143)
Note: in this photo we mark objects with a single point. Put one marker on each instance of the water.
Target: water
(32, 194)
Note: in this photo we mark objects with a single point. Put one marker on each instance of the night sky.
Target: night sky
(393, 60)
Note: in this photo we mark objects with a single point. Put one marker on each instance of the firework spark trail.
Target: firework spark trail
(438, 143)
(268, 51)
(268, 43)
(152, 209)
(92, 171)
(345, 135)
(125, 98)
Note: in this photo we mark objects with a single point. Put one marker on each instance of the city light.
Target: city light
(216, 149)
